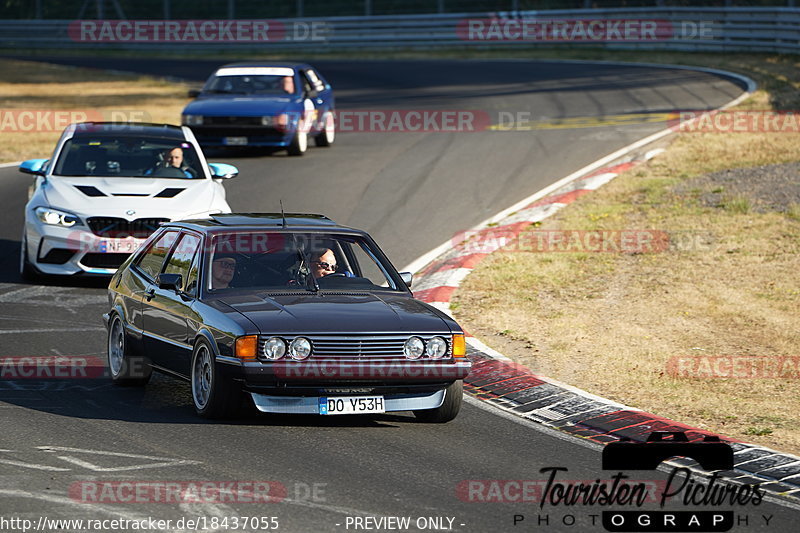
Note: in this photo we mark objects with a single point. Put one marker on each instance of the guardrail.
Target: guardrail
(670, 28)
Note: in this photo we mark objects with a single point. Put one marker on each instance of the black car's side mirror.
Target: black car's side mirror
(408, 278)
(169, 282)
(194, 93)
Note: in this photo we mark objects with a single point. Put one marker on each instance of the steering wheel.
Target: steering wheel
(169, 172)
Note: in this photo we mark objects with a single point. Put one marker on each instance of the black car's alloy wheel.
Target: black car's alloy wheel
(213, 396)
(124, 369)
(449, 408)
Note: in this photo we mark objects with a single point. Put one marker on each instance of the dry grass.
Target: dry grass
(93, 93)
(609, 323)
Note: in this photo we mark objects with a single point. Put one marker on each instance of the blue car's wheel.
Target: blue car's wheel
(328, 134)
(299, 143)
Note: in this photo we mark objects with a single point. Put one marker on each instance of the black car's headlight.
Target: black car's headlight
(414, 348)
(436, 348)
(56, 217)
(300, 348)
(192, 120)
(274, 348)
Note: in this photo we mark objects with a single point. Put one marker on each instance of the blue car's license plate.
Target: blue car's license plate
(235, 141)
(348, 405)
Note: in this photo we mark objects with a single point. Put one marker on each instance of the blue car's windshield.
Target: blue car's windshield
(127, 156)
(266, 84)
(280, 261)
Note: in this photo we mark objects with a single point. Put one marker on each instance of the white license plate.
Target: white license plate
(348, 405)
(118, 246)
(235, 141)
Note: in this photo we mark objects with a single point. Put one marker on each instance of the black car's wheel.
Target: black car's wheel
(299, 143)
(124, 369)
(328, 134)
(26, 270)
(213, 396)
(449, 408)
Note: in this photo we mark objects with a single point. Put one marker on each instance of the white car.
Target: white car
(106, 188)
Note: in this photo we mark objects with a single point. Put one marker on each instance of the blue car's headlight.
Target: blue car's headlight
(192, 120)
(55, 217)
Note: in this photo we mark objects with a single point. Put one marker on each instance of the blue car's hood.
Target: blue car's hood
(242, 106)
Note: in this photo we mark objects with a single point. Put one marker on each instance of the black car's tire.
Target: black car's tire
(449, 408)
(26, 270)
(328, 134)
(299, 143)
(212, 396)
(124, 369)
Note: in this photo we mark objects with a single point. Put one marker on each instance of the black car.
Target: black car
(295, 311)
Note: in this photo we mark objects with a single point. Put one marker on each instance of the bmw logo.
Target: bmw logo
(130, 212)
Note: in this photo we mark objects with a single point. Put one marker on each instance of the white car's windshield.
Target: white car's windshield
(117, 156)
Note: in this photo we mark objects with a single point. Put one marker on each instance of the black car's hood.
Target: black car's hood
(328, 313)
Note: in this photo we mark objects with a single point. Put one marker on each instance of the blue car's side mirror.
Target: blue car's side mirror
(223, 170)
(34, 166)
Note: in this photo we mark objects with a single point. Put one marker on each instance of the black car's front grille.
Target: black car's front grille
(354, 347)
(119, 228)
(96, 260)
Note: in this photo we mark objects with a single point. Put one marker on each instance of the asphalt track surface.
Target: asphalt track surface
(412, 191)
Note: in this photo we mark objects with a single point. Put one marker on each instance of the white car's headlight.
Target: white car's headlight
(192, 120)
(55, 217)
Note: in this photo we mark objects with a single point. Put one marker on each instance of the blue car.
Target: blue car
(270, 105)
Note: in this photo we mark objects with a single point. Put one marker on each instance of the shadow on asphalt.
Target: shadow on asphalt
(164, 400)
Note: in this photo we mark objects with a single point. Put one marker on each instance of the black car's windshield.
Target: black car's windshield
(277, 81)
(281, 261)
(128, 156)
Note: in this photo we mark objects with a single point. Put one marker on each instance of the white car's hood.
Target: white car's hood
(133, 198)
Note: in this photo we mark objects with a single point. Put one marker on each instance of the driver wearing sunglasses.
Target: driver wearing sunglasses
(323, 263)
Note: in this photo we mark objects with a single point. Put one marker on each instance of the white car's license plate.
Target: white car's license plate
(119, 246)
(348, 405)
(235, 141)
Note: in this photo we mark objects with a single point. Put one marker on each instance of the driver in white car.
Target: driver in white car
(172, 159)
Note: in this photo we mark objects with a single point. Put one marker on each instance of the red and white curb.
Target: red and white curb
(514, 388)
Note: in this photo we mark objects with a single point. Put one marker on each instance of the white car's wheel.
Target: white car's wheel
(26, 269)
(328, 135)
